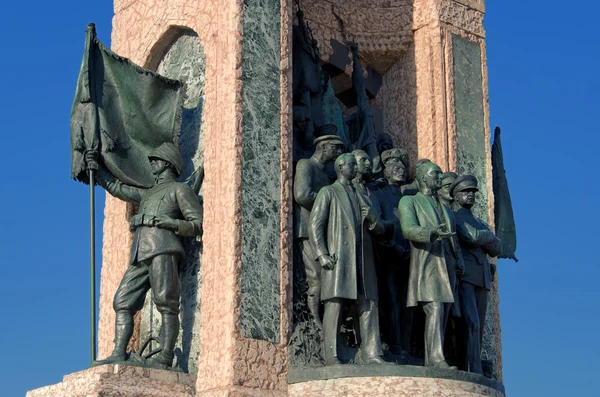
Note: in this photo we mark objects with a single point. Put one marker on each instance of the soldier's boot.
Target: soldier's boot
(123, 332)
(168, 337)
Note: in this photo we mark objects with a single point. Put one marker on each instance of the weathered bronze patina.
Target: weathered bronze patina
(168, 210)
(309, 180)
(477, 242)
(344, 252)
(435, 257)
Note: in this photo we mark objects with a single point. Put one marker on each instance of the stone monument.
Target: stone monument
(244, 328)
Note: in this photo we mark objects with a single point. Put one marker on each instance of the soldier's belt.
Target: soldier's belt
(141, 220)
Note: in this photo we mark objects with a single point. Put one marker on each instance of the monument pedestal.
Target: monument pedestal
(389, 380)
(120, 381)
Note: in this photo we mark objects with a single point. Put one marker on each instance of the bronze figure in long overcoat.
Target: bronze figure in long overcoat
(334, 230)
(430, 278)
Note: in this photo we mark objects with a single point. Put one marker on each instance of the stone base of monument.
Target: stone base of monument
(389, 380)
(120, 381)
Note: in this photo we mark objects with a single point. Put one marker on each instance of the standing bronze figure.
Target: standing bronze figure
(446, 198)
(393, 255)
(336, 230)
(435, 257)
(477, 242)
(168, 210)
(310, 178)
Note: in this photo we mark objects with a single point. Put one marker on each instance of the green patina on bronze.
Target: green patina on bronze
(122, 110)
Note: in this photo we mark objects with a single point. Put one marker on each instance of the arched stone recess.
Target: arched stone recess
(179, 54)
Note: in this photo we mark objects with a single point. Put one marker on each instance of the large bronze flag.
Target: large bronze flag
(122, 111)
(506, 229)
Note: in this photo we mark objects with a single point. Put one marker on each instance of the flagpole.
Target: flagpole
(92, 267)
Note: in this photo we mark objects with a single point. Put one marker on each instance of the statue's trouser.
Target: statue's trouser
(392, 295)
(368, 318)
(161, 273)
(436, 315)
(473, 305)
(313, 278)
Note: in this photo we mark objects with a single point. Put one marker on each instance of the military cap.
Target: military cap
(393, 153)
(330, 137)
(169, 152)
(326, 129)
(448, 178)
(463, 182)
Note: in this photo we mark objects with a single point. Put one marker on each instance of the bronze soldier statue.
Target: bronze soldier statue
(167, 210)
(435, 257)
(393, 254)
(336, 230)
(444, 193)
(310, 178)
(477, 241)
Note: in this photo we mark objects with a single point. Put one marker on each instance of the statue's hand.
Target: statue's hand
(460, 271)
(91, 159)
(368, 214)
(164, 222)
(441, 231)
(327, 262)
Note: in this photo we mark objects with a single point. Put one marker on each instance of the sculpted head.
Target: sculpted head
(345, 166)
(395, 173)
(363, 162)
(447, 179)
(428, 175)
(463, 191)
(328, 147)
(395, 155)
(166, 156)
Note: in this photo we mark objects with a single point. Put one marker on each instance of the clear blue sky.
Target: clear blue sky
(544, 85)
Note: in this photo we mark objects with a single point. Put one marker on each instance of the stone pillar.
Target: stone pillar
(453, 112)
(243, 324)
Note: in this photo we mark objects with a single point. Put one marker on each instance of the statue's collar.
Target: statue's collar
(318, 162)
(159, 180)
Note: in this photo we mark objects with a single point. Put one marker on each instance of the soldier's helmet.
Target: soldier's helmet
(169, 152)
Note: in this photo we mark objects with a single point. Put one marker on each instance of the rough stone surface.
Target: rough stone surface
(382, 28)
(139, 28)
(120, 381)
(398, 96)
(390, 386)
(471, 156)
(261, 185)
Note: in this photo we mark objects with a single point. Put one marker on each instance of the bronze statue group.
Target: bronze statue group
(402, 256)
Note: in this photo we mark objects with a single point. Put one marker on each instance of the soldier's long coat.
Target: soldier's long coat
(477, 241)
(333, 230)
(429, 280)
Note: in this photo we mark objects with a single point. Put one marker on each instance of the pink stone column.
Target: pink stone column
(228, 363)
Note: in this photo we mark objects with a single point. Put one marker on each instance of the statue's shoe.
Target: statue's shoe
(160, 360)
(443, 364)
(112, 359)
(332, 361)
(377, 360)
